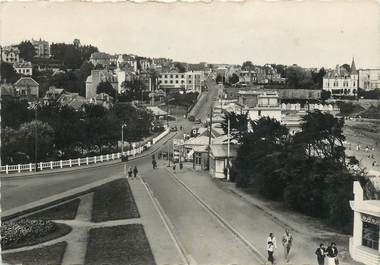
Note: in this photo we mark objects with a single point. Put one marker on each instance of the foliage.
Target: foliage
(280, 68)
(70, 55)
(299, 78)
(325, 95)
(106, 87)
(219, 79)
(180, 67)
(27, 50)
(349, 108)
(14, 113)
(238, 124)
(8, 73)
(233, 79)
(308, 172)
(247, 65)
(371, 94)
(185, 99)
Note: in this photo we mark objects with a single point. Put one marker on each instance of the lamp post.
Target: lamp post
(122, 138)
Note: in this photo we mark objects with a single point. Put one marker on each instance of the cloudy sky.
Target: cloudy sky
(309, 33)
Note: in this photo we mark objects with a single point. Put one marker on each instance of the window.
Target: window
(176, 76)
(198, 158)
(183, 76)
(189, 81)
(166, 76)
(171, 76)
(370, 235)
(176, 81)
(171, 81)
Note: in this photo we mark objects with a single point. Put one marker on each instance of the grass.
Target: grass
(50, 255)
(30, 240)
(126, 244)
(65, 211)
(113, 201)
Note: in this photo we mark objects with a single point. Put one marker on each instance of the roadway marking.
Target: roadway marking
(186, 258)
(260, 257)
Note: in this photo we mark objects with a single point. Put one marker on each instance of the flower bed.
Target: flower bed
(29, 232)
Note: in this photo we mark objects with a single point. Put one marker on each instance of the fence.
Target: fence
(7, 169)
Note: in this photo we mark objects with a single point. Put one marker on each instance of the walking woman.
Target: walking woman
(332, 254)
(130, 172)
(271, 246)
(135, 171)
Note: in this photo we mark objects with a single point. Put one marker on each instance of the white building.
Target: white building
(189, 81)
(96, 77)
(268, 105)
(369, 79)
(42, 48)
(341, 83)
(10, 54)
(23, 68)
(364, 244)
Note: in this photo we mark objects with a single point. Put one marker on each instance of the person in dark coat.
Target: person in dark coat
(135, 171)
(321, 253)
(332, 254)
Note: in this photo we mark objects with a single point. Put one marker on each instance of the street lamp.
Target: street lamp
(122, 138)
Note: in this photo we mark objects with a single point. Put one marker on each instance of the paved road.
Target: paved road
(211, 97)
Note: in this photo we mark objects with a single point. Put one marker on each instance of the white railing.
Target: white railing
(7, 169)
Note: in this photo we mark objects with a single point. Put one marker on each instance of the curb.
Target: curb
(260, 258)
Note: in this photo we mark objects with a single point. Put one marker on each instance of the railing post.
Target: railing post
(113, 156)
(61, 164)
(51, 164)
(30, 167)
(101, 158)
(78, 161)
(118, 155)
(18, 168)
(94, 159)
(87, 160)
(108, 157)
(70, 162)
(41, 166)
(6, 169)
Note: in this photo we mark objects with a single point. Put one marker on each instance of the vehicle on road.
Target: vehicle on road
(174, 129)
(198, 121)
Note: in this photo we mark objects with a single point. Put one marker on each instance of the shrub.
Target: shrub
(14, 232)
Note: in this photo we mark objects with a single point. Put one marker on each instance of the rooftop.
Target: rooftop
(26, 81)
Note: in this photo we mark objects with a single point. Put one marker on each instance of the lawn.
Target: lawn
(126, 244)
(65, 211)
(50, 255)
(113, 201)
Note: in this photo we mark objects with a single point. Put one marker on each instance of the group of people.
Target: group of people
(133, 171)
(331, 252)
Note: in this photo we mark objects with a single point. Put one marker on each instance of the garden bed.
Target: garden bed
(65, 211)
(113, 201)
(26, 232)
(50, 255)
(126, 244)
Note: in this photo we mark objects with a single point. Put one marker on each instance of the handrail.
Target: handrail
(8, 169)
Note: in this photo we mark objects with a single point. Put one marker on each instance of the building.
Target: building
(189, 81)
(10, 54)
(369, 79)
(247, 77)
(101, 58)
(23, 68)
(94, 80)
(196, 150)
(42, 48)
(364, 244)
(27, 88)
(268, 105)
(341, 83)
(53, 94)
(221, 159)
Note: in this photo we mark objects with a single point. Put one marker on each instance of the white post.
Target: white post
(51, 164)
(113, 156)
(101, 158)
(18, 168)
(94, 159)
(78, 161)
(41, 166)
(228, 151)
(30, 167)
(70, 162)
(107, 157)
(6, 169)
(118, 155)
(60, 164)
(87, 160)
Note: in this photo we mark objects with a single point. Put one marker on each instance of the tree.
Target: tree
(347, 67)
(247, 65)
(180, 67)
(106, 87)
(280, 69)
(298, 78)
(27, 50)
(14, 113)
(219, 79)
(233, 79)
(238, 124)
(325, 95)
(8, 73)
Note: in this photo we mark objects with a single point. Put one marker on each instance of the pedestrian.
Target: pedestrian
(174, 166)
(321, 254)
(332, 254)
(135, 171)
(154, 163)
(287, 240)
(130, 172)
(271, 246)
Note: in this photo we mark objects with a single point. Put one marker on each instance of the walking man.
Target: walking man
(321, 254)
(271, 246)
(287, 240)
(332, 254)
(135, 171)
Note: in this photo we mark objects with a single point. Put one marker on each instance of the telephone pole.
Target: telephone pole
(209, 136)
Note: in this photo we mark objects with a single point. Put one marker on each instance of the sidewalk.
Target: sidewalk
(255, 218)
(163, 247)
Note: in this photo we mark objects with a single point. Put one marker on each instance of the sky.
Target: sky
(308, 33)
